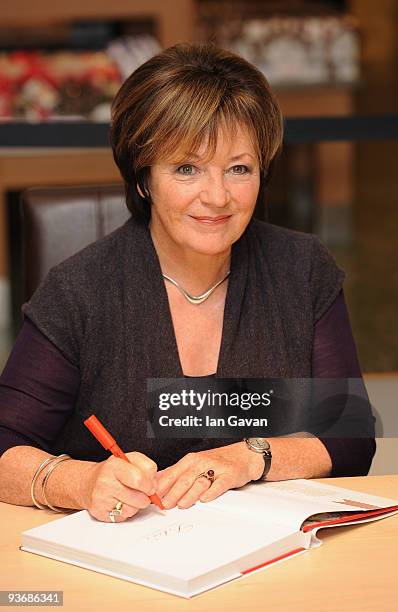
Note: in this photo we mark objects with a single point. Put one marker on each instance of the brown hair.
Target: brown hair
(174, 101)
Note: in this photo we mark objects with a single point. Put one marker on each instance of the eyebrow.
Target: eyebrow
(231, 159)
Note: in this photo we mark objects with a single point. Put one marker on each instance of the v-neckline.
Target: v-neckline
(230, 312)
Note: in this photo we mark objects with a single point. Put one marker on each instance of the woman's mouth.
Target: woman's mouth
(212, 220)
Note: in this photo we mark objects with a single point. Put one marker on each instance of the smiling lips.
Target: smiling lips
(212, 220)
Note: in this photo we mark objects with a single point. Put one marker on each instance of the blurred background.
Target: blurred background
(333, 65)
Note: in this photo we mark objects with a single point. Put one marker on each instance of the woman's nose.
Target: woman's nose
(215, 192)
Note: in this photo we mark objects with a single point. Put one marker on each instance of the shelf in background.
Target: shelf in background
(297, 130)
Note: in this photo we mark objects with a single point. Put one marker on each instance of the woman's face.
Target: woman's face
(205, 207)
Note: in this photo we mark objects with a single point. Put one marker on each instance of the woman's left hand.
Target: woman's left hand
(233, 466)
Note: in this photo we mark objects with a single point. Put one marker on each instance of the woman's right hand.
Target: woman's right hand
(104, 484)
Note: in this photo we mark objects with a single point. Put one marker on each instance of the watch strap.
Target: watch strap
(267, 456)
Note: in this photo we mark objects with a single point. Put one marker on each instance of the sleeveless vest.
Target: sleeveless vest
(106, 309)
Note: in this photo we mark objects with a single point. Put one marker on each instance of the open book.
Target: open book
(186, 552)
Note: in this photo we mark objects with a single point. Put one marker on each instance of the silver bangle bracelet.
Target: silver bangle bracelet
(35, 477)
(59, 459)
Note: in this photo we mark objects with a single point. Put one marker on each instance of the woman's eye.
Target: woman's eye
(186, 170)
(240, 169)
(190, 170)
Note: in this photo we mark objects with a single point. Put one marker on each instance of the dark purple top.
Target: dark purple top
(39, 386)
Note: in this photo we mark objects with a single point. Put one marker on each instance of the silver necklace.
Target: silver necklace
(195, 299)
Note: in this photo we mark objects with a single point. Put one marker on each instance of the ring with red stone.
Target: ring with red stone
(209, 475)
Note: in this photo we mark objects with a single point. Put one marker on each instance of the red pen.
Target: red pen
(109, 443)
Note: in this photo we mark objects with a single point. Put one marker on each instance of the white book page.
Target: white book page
(308, 491)
(290, 502)
(181, 543)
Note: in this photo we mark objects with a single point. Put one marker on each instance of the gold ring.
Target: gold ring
(209, 475)
(116, 511)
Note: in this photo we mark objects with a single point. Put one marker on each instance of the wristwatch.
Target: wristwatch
(261, 445)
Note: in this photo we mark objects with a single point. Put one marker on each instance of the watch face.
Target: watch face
(260, 443)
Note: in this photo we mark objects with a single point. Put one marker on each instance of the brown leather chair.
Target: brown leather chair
(59, 221)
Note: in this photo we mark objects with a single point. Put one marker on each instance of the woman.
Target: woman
(191, 285)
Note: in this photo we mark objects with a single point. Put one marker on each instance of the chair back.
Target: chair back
(58, 222)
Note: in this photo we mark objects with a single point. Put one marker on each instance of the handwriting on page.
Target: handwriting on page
(169, 531)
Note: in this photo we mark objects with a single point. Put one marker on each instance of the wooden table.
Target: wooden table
(355, 570)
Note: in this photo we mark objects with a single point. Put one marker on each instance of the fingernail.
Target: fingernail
(168, 503)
